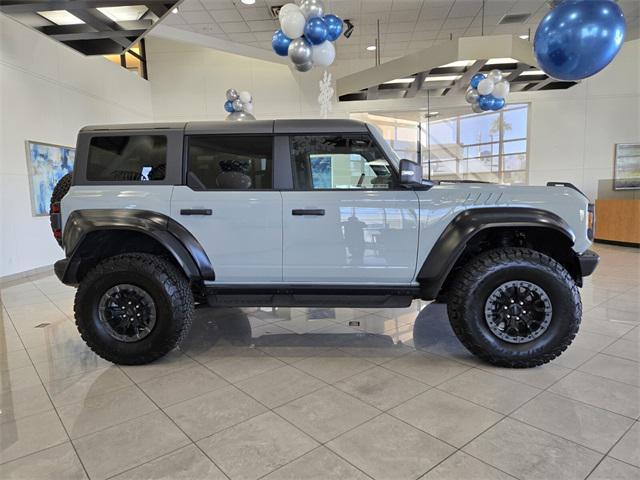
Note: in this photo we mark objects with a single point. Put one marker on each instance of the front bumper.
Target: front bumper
(588, 262)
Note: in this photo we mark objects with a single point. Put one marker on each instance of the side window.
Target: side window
(133, 158)
(230, 162)
(352, 162)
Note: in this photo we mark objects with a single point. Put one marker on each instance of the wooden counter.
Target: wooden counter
(618, 221)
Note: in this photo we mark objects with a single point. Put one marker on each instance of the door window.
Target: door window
(351, 162)
(230, 162)
(141, 158)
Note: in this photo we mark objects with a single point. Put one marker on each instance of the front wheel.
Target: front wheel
(514, 307)
(133, 308)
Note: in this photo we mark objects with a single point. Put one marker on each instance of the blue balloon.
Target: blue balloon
(280, 43)
(486, 102)
(476, 79)
(334, 26)
(316, 31)
(498, 103)
(577, 39)
(228, 106)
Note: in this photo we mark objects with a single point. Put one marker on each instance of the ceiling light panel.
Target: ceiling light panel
(61, 17)
(124, 14)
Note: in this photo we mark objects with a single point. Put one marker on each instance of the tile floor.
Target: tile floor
(298, 393)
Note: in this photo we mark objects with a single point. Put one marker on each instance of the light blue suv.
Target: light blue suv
(318, 213)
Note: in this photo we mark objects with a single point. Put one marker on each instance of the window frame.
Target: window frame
(274, 161)
(395, 185)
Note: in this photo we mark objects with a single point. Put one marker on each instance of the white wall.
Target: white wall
(572, 131)
(47, 93)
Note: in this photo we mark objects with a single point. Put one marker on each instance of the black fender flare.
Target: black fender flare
(177, 240)
(468, 223)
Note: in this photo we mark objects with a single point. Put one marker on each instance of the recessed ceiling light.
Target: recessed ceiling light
(248, 2)
(524, 37)
(400, 80)
(124, 14)
(459, 63)
(61, 17)
(372, 48)
(532, 72)
(495, 61)
(442, 78)
(175, 10)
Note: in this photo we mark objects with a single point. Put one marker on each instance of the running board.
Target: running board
(310, 296)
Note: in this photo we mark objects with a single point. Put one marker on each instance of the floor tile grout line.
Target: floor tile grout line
(151, 460)
(84, 468)
(610, 450)
(176, 425)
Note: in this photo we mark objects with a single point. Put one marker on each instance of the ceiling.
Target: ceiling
(406, 26)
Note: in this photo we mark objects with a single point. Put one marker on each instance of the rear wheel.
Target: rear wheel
(134, 308)
(514, 307)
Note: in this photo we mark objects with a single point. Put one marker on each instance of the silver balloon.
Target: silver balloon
(300, 51)
(239, 117)
(495, 75)
(238, 106)
(303, 67)
(475, 107)
(232, 94)
(471, 96)
(311, 8)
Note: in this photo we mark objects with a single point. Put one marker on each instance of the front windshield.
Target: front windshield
(390, 152)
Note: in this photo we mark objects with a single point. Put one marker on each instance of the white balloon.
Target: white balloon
(501, 89)
(289, 7)
(248, 107)
(293, 24)
(485, 87)
(245, 97)
(324, 54)
(495, 75)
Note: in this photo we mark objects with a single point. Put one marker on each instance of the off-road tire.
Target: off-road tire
(166, 285)
(472, 286)
(59, 191)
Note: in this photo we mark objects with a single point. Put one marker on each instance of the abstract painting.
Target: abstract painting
(47, 164)
(626, 174)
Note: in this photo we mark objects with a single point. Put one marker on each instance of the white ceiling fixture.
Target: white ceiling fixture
(124, 14)
(442, 78)
(372, 48)
(524, 37)
(400, 80)
(248, 2)
(61, 17)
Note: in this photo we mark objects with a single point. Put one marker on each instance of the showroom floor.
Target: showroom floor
(298, 393)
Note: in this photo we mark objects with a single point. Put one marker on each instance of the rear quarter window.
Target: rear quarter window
(128, 158)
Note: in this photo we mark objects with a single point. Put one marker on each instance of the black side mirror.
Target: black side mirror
(410, 172)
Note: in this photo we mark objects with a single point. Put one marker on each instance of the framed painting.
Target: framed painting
(626, 166)
(47, 164)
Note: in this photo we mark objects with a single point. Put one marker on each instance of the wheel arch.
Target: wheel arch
(475, 230)
(92, 235)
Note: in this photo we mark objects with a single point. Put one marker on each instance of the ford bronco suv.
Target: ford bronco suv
(159, 218)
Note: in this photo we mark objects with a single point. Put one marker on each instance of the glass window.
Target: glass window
(134, 158)
(339, 162)
(230, 162)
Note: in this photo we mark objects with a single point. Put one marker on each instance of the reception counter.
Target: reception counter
(618, 221)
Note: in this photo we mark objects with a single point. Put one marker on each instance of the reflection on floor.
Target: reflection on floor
(320, 393)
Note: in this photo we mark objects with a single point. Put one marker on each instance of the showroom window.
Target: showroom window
(349, 162)
(461, 145)
(134, 158)
(228, 162)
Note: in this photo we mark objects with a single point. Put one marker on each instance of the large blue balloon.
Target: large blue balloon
(334, 27)
(228, 106)
(280, 43)
(476, 79)
(579, 38)
(316, 31)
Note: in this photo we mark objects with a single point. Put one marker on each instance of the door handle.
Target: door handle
(196, 211)
(308, 211)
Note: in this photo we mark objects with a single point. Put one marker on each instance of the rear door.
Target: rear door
(347, 221)
(230, 206)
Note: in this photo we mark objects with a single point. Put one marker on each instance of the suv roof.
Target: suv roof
(258, 126)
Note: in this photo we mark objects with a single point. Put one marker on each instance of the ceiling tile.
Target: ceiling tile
(192, 17)
(234, 27)
(226, 15)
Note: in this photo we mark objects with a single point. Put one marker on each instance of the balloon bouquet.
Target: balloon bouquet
(577, 39)
(487, 92)
(239, 105)
(306, 35)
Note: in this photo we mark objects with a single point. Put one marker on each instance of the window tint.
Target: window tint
(137, 158)
(230, 162)
(325, 162)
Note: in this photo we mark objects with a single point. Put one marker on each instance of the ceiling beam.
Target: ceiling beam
(98, 20)
(115, 36)
(541, 84)
(416, 86)
(520, 67)
(463, 82)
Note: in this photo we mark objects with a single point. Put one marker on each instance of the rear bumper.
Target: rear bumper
(588, 262)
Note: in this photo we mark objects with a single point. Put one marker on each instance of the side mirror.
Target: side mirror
(410, 172)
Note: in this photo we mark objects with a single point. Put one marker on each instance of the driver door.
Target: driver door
(347, 220)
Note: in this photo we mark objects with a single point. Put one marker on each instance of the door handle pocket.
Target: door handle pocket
(196, 211)
(308, 211)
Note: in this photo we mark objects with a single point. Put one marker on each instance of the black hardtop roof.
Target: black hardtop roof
(299, 126)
